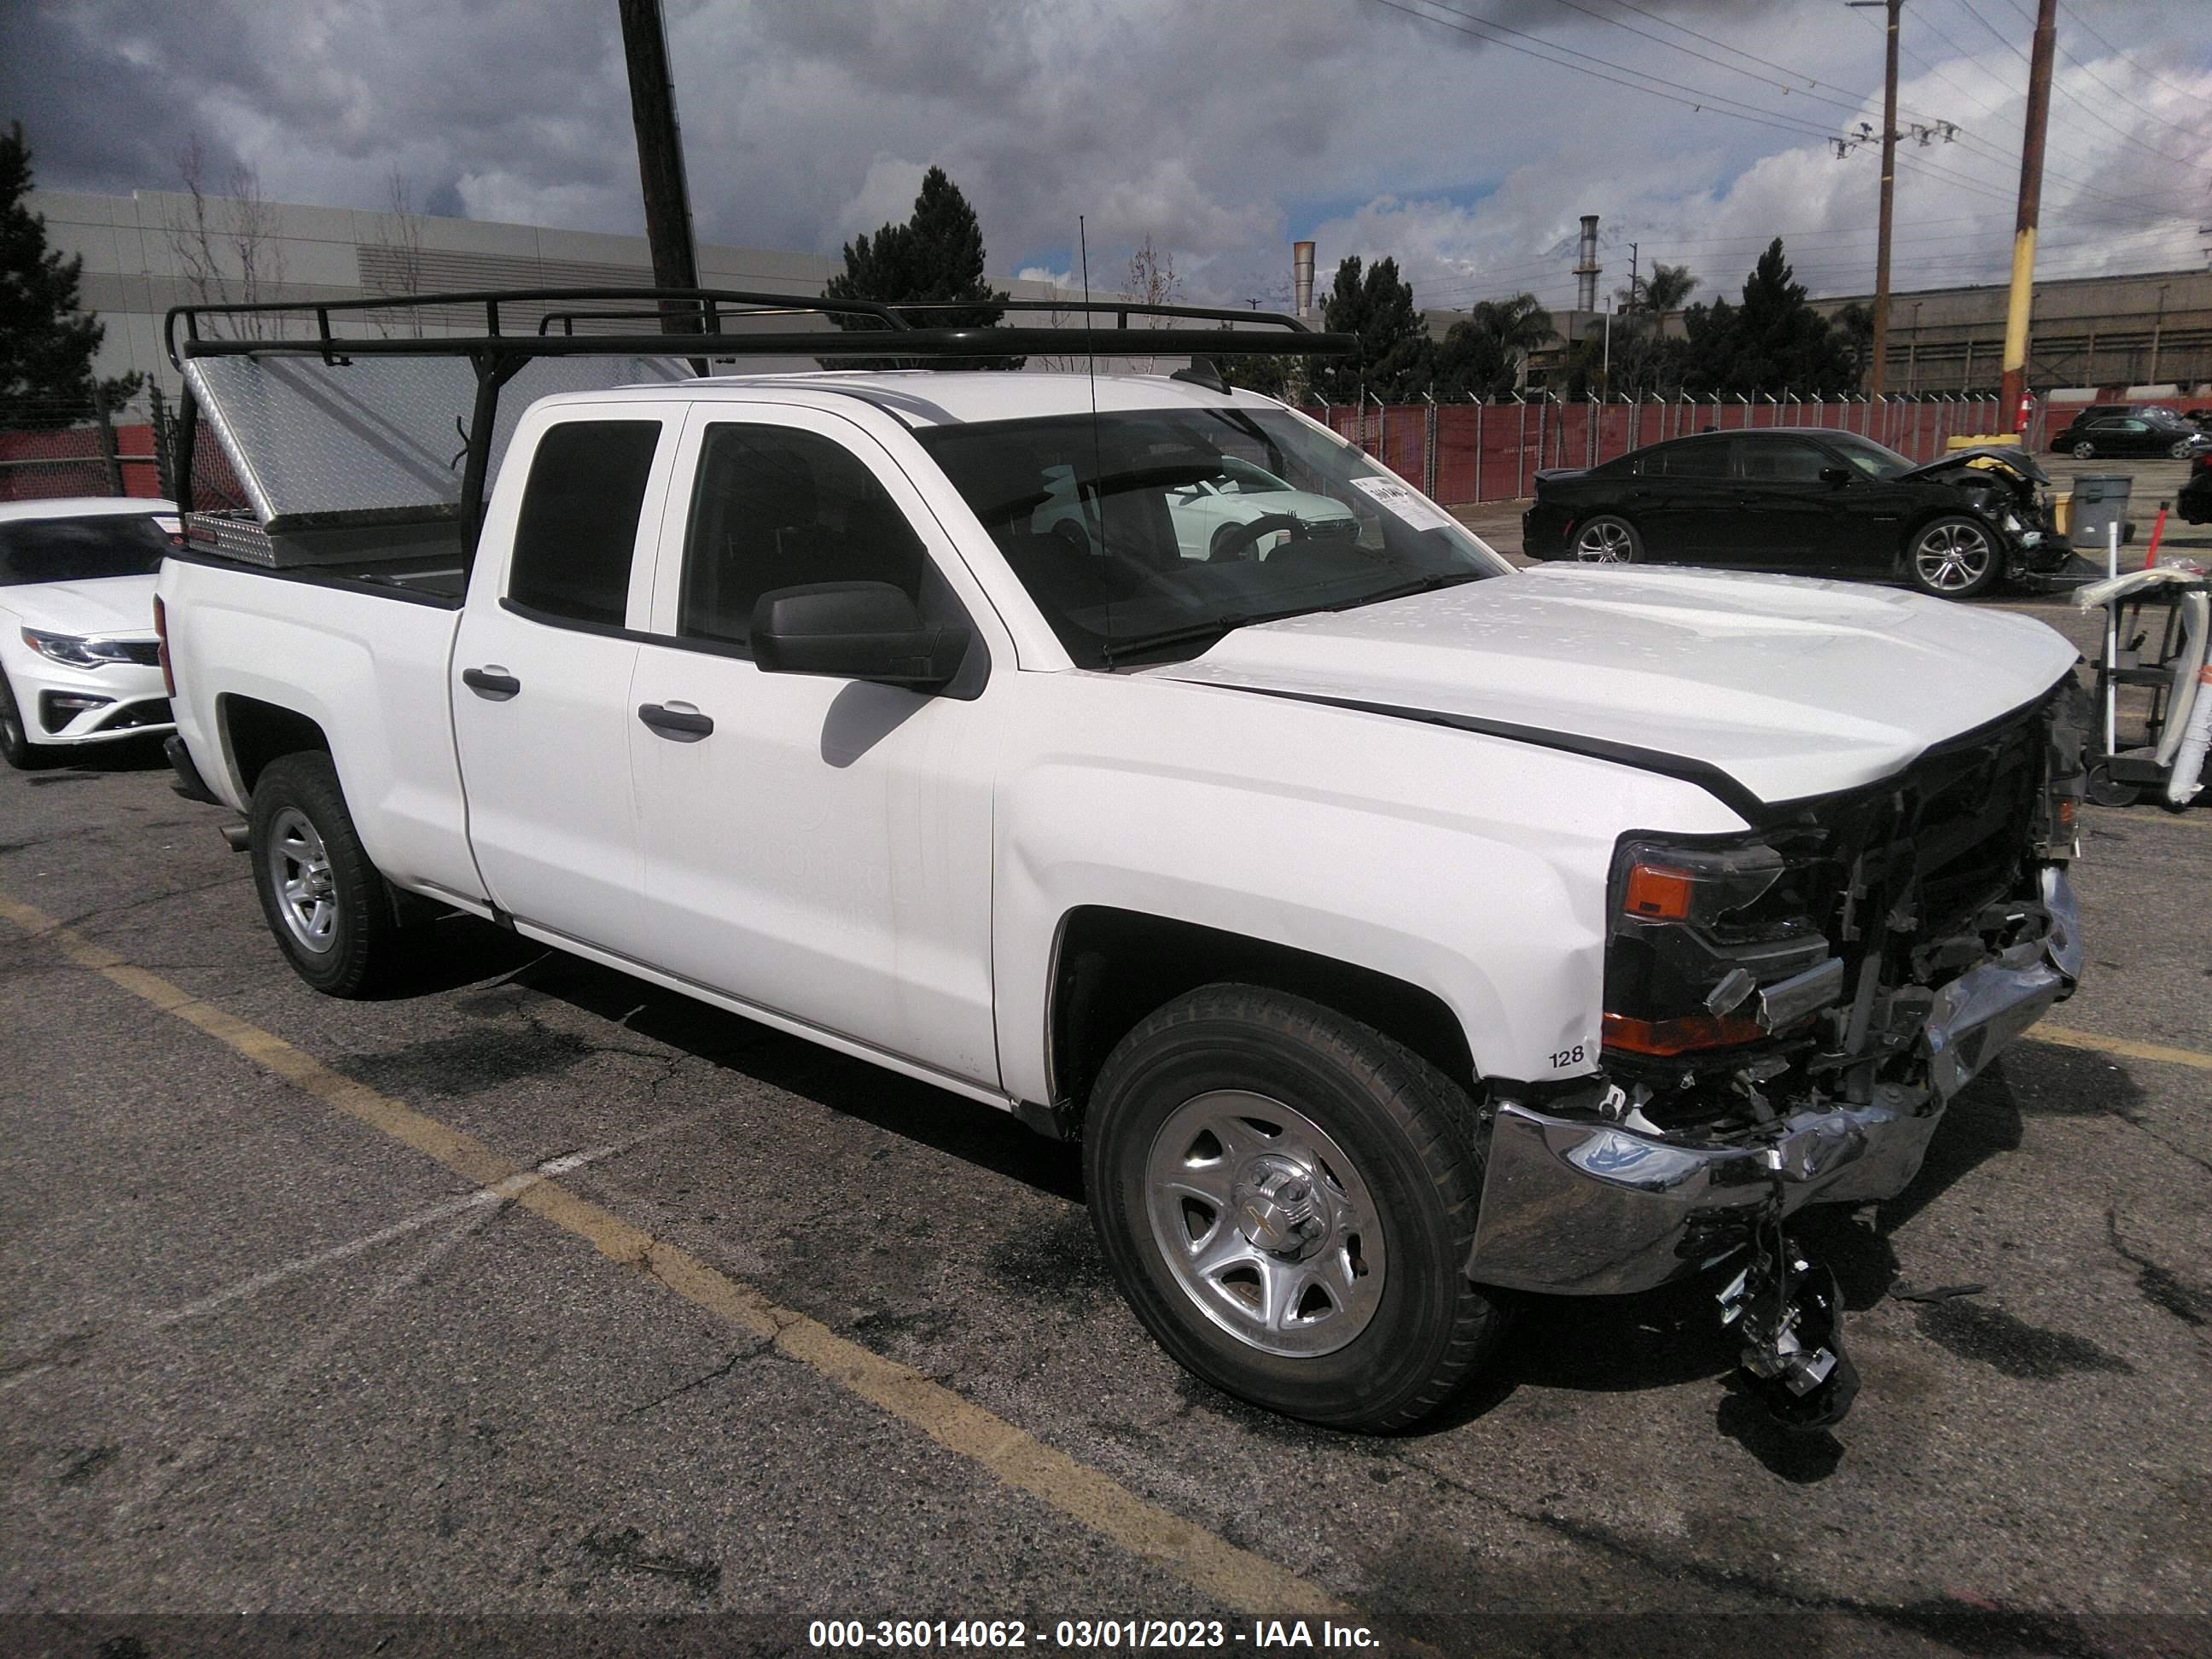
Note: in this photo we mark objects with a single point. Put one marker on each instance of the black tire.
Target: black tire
(2104, 791)
(1606, 539)
(1402, 1126)
(2084, 450)
(2180, 449)
(15, 745)
(362, 946)
(1929, 554)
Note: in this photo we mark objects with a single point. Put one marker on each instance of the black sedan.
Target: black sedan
(1806, 501)
(2149, 431)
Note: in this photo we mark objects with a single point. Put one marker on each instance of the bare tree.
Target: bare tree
(1152, 281)
(225, 243)
(397, 266)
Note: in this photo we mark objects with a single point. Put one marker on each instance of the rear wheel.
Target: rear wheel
(15, 745)
(331, 911)
(1955, 558)
(1608, 539)
(1288, 1199)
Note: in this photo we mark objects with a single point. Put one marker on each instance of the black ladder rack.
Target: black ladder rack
(699, 323)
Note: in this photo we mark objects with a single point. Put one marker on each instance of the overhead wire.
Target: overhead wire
(1698, 100)
(2186, 132)
(2059, 89)
(2075, 13)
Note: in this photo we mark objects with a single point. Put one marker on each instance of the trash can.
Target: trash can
(2100, 501)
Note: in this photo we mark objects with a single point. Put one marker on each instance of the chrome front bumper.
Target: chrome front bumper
(1579, 1207)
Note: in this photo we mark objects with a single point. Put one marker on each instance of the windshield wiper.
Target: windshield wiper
(1114, 650)
(1428, 584)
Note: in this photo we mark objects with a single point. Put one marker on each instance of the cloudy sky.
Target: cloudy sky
(1461, 136)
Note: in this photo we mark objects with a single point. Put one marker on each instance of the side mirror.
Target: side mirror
(853, 631)
(1835, 475)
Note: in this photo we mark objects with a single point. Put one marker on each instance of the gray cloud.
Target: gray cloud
(1219, 130)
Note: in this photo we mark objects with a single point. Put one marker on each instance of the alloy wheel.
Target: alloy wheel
(1952, 557)
(1265, 1223)
(1604, 541)
(299, 872)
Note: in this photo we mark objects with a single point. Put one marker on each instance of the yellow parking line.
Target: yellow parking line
(1235, 1577)
(2066, 1037)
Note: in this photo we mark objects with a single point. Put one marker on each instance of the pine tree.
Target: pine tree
(936, 255)
(46, 341)
(1770, 342)
(1395, 352)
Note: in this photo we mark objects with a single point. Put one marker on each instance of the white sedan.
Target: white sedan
(79, 660)
(1208, 514)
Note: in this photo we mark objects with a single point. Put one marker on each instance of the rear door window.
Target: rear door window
(578, 527)
(1694, 460)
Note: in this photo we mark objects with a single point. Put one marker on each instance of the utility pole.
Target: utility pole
(2031, 205)
(661, 159)
(1878, 371)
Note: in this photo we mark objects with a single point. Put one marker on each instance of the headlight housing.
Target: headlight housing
(1701, 934)
(76, 649)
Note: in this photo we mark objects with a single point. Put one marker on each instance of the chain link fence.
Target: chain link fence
(54, 447)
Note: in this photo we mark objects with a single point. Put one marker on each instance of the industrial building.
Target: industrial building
(140, 252)
(2150, 328)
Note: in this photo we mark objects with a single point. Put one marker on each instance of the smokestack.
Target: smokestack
(1586, 272)
(1302, 262)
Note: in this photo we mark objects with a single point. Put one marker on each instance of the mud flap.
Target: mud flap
(1788, 1312)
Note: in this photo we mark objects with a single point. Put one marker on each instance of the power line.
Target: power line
(1854, 106)
(2186, 132)
(1970, 97)
(2059, 87)
(2090, 28)
(1698, 100)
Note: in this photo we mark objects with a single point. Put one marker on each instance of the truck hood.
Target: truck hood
(1789, 687)
(105, 604)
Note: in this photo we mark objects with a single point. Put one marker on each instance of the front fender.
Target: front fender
(1472, 867)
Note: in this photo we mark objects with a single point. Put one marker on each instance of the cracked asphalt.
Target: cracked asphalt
(256, 1357)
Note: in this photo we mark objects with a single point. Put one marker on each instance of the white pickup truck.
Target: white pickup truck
(1392, 925)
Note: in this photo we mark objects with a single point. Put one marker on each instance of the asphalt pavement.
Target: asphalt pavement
(535, 1293)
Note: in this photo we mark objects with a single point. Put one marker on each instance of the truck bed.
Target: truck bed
(326, 643)
(421, 562)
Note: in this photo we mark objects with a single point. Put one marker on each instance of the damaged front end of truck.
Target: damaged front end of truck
(1787, 1013)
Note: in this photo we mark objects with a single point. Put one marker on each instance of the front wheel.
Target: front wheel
(1287, 1198)
(1608, 539)
(2084, 450)
(1955, 558)
(2181, 449)
(15, 745)
(331, 911)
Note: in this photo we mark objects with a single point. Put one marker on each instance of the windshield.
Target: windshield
(1876, 460)
(1119, 528)
(80, 550)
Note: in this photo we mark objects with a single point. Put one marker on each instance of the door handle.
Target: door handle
(675, 722)
(495, 684)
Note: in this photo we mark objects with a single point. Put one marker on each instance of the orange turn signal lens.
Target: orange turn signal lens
(1677, 1037)
(1657, 892)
